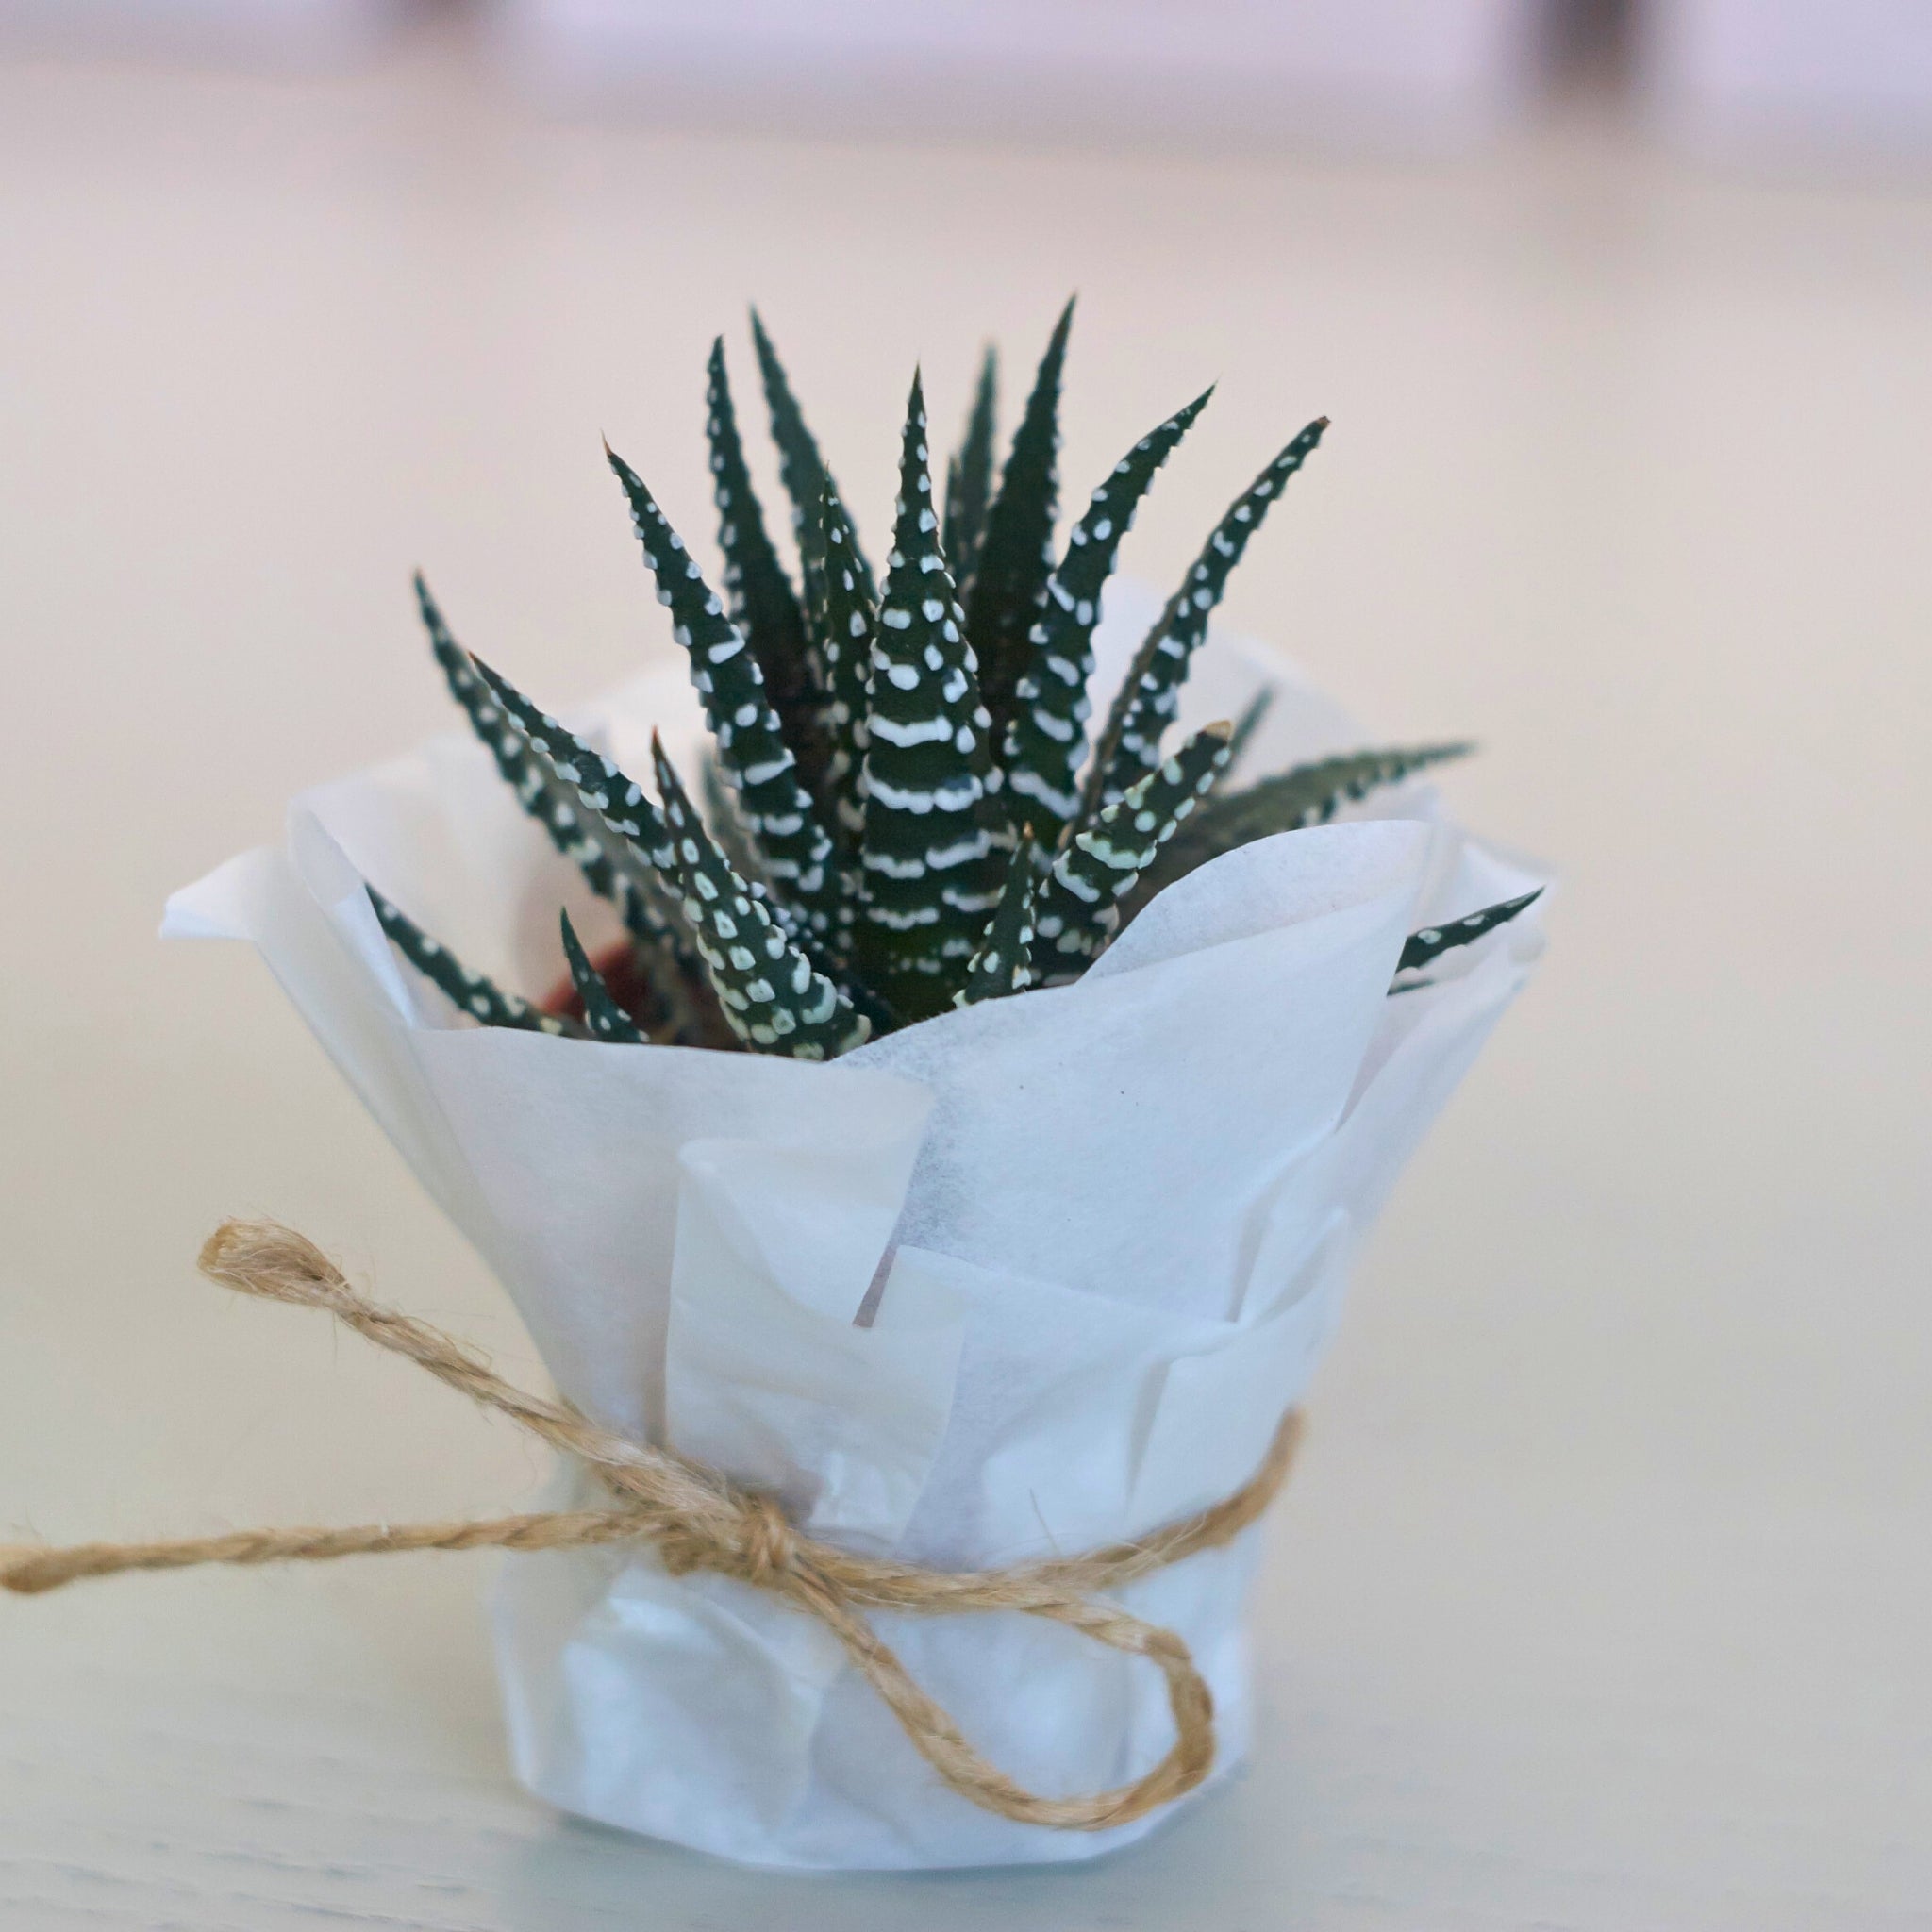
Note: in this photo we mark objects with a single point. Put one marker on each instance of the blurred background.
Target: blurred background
(1600, 1600)
(1716, 75)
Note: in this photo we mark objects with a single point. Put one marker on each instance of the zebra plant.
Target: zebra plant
(904, 811)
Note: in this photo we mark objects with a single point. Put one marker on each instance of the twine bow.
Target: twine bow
(697, 1519)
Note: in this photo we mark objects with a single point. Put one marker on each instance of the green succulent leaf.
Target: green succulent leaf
(969, 479)
(1078, 905)
(1047, 735)
(779, 813)
(1246, 725)
(1015, 555)
(1432, 942)
(1130, 744)
(1004, 962)
(471, 992)
(848, 622)
(726, 824)
(1309, 794)
(607, 870)
(774, 998)
(932, 865)
(617, 799)
(604, 1018)
(801, 468)
(674, 995)
(758, 593)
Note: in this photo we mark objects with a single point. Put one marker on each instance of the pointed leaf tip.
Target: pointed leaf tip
(1309, 794)
(471, 993)
(1003, 963)
(607, 1020)
(1422, 947)
(1013, 559)
(1128, 745)
(969, 480)
(759, 592)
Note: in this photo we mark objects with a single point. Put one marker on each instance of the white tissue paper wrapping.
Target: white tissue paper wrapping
(1113, 1221)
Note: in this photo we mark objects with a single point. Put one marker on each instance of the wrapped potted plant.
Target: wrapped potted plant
(952, 1124)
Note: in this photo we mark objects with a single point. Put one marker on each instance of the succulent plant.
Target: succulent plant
(903, 811)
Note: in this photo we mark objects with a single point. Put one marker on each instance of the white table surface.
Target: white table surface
(1602, 1600)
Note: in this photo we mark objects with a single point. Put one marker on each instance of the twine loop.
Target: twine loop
(695, 1517)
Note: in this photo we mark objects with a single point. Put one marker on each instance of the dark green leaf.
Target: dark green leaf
(1015, 557)
(1308, 795)
(607, 869)
(617, 799)
(779, 813)
(801, 468)
(1432, 942)
(848, 618)
(1247, 725)
(727, 826)
(471, 992)
(969, 480)
(1130, 744)
(758, 593)
(774, 998)
(605, 1019)
(1004, 962)
(674, 995)
(932, 867)
(1047, 735)
(1078, 905)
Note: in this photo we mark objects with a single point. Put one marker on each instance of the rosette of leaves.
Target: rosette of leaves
(903, 807)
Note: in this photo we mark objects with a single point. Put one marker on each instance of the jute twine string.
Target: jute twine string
(697, 1519)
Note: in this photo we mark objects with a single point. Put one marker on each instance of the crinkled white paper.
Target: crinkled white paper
(1113, 1221)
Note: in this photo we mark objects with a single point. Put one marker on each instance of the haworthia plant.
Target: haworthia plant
(902, 816)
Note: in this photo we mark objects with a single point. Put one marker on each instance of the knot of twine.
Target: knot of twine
(697, 1519)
